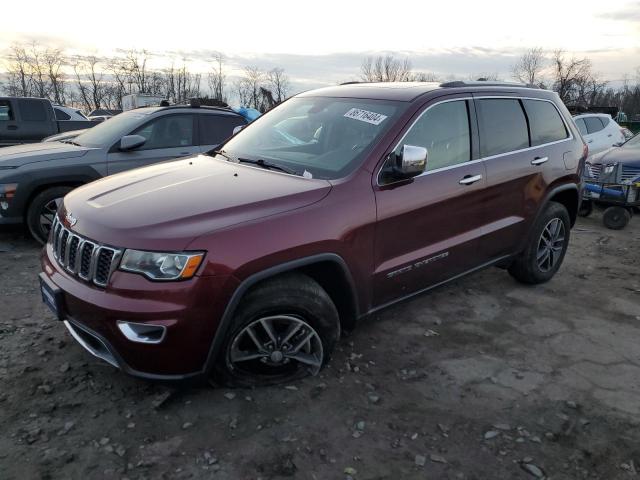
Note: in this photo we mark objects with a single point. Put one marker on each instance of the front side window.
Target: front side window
(444, 131)
(594, 124)
(503, 126)
(581, 126)
(545, 122)
(169, 131)
(326, 137)
(60, 115)
(6, 114)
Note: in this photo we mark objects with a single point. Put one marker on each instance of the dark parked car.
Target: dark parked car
(29, 120)
(34, 178)
(339, 202)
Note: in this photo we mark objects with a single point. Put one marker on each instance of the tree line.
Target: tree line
(90, 82)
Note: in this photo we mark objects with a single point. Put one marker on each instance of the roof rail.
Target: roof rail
(485, 83)
(351, 83)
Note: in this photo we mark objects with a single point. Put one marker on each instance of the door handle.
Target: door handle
(610, 135)
(12, 127)
(469, 179)
(590, 141)
(539, 160)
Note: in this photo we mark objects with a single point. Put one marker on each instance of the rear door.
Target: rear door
(170, 136)
(596, 137)
(215, 128)
(428, 227)
(522, 142)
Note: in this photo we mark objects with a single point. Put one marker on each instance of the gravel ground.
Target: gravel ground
(480, 379)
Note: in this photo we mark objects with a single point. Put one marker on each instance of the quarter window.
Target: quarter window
(6, 114)
(545, 122)
(169, 131)
(503, 126)
(444, 131)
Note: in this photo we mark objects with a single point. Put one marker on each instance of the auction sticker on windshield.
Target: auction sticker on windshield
(365, 116)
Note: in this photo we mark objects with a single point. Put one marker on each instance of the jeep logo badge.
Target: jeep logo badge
(71, 219)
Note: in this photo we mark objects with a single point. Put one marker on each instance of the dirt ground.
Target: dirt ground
(481, 379)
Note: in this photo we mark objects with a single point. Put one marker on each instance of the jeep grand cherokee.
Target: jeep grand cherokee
(246, 264)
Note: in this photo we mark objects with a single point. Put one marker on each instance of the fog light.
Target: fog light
(142, 332)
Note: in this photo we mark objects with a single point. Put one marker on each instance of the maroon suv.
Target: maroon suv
(341, 201)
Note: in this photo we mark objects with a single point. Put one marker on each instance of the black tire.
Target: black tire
(586, 208)
(40, 207)
(527, 267)
(616, 218)
(285, 298)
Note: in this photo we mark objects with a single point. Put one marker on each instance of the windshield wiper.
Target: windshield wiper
(259, 162)
(268, 165)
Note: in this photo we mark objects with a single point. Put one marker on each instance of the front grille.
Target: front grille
(629, 173)
(83, 258)
(594, 170)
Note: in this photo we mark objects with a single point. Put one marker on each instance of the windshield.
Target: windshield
(321, 137)
(106, 133)
(633, 142)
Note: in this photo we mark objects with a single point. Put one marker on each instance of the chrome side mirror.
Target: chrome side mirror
(411, 162)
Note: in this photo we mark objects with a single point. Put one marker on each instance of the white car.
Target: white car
(68, 113)
(600, 131)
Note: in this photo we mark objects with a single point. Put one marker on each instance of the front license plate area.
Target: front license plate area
(52, 297)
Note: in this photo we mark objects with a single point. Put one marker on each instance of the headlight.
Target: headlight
(162, 266)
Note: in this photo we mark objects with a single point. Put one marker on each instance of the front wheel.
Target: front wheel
(42, 210)
(284, 329)
(546, 246)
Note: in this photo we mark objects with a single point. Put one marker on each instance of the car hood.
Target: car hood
(627, 155)
(20, 155)
(167, 205)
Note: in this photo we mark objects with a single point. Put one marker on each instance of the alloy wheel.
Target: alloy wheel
(47, 214)
(276, 346)
(550, 245)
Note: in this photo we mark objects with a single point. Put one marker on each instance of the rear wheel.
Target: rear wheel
(616, 218)
(42, 210)
(284, 329)
(546, 247)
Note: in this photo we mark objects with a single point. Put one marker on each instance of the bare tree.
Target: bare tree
(568, 73)
(385, 69)
(425, 77)
(18, 71)
(90, 81)
(529, 67)
(217, 78)
(54, 61)
(251, 82)
(279, 83)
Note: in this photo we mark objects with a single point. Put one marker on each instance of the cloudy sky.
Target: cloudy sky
(324, 42)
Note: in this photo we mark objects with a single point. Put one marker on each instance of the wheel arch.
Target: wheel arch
(328, 269)
(567, 195)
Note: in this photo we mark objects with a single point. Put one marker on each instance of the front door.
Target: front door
(428, 227)
(169, 137)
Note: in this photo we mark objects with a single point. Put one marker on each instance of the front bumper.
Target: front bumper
(189, 311)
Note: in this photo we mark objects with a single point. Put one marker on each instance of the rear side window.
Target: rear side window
(214, 129)
(6, 114)
(32, 110)
(60, 115)
(545, 122)
(594, 124)
(581, 126)
(503, 126)
(444, 131)
(605, 121)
